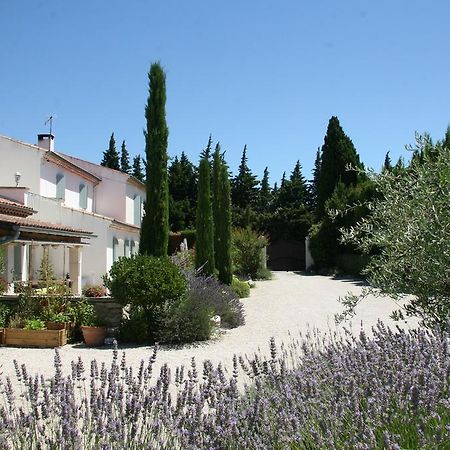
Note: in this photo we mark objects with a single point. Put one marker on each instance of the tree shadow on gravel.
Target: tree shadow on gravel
(355, 280)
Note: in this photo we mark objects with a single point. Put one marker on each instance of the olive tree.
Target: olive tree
(407, 234)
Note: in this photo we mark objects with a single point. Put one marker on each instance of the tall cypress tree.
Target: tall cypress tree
(137, 168)
(155, 224)
(217, 162)
(124, 159)
(387, 165)
(222, 226)
(110, 156)
(338, 152)
(204, 244)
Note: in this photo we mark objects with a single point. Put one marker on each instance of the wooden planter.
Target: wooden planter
(1, 336)
(59, 326)
(34, 338)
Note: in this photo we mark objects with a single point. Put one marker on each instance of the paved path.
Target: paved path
(288, 303)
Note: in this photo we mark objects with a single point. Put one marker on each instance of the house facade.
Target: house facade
(87, 215)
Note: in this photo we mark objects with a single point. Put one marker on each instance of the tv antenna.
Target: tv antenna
(50, 121)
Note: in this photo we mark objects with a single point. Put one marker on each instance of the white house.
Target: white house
(87, 215)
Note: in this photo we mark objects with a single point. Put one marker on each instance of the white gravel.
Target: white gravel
(284, 305)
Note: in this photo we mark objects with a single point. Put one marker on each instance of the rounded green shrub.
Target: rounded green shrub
(240, 288)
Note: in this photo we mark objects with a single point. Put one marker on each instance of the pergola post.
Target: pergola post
(75, 260)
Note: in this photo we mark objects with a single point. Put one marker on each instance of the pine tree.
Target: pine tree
(313, 186)
(124, 159)
(183, 193)
(338, 152)
(387, 165)
(110, 156)
(264, 192)
(206, 152)
(155, 223)
(244, 190)
(222, 226)
(137, 168)
(204, 244)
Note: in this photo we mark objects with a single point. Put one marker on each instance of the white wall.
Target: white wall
(19, 157)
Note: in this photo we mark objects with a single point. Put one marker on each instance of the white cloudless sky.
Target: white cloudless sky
(268, 74)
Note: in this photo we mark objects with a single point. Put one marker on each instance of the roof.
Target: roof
(14, 208)
(62, 161)
(28, 224)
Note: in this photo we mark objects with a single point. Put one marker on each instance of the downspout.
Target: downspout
(10, 237)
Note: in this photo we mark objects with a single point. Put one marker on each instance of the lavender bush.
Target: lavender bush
(390, 391)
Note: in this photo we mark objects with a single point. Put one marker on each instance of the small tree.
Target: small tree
(204, 247)
(409, 232)
(124, 159)
(110, 156)
(155, 223)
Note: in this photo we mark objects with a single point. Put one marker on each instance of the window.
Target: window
(115, 249)
(137, 208)
(133, 248)
(60, 186)
(126, 248)
(83, 196)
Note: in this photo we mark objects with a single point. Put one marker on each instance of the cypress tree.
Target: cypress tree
(204, 246)
(137, 168)
(387, 165)
(217, 161)
(155, 224)
(124, 159)
(338, 152)
(110, 156)
(315, 181)
(223, 225)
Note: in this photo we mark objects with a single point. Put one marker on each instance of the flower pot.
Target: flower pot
(93, 336)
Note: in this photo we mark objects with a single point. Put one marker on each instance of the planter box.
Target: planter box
(34, 338)
(1, 336)
(59, 326)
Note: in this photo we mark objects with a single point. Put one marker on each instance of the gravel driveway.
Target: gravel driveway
(288, 303)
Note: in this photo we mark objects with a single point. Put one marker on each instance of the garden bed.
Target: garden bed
(20, 337)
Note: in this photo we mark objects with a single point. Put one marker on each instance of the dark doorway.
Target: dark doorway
(286, 255)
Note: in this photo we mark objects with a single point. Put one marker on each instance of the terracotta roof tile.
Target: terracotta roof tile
(25, 222)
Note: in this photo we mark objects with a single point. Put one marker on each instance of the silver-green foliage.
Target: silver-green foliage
(408, 233)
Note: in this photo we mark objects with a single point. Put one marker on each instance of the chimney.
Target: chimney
(46, 141)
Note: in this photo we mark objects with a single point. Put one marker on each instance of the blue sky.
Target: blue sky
(268, 74)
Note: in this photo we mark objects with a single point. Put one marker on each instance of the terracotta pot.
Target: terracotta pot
(93, 336)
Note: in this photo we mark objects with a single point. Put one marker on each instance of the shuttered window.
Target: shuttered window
(126, 248)
(83, 196)
(60, 186)
(115, 249)
(137, 208)
(133, 248)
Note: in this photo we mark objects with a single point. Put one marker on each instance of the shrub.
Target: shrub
(95, 291)
(247, 251)
(217, 297)
(188, 321)
(133, 327)
(34, 324)
(264, 274)
(3, 285)
(5, 314)
(148, 282)
(240, 288)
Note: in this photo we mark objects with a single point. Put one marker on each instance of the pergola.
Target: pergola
(21, 235)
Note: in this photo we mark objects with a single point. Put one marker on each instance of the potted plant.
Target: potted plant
(93, 329)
